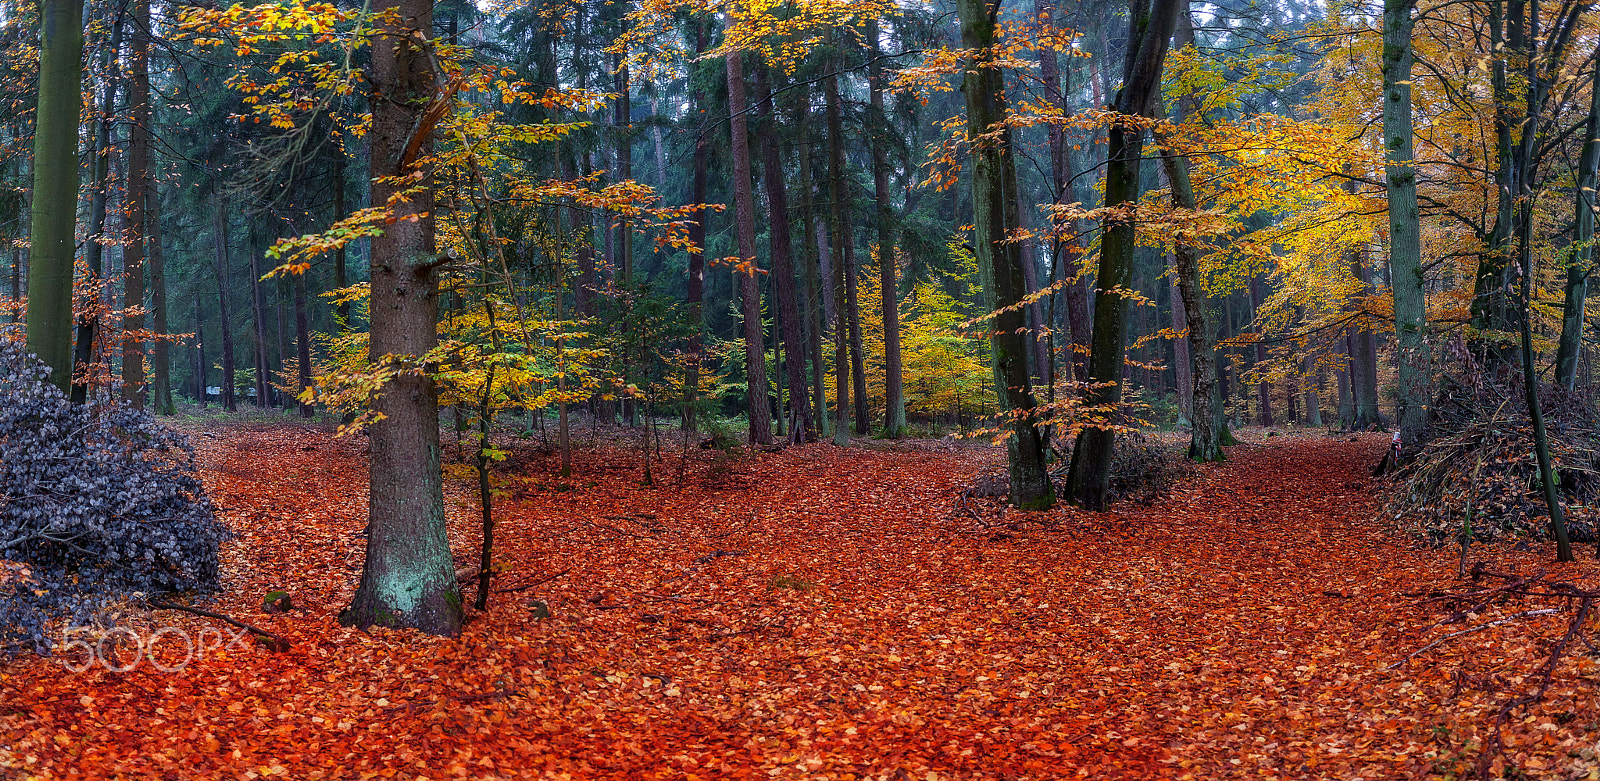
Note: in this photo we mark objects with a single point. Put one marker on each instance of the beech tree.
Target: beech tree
(55, 187)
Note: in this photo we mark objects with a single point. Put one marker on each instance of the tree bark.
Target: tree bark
(408, 578)
(138, 189)
(55, 187)
(755, 362)
(1208, 427)
(894, 420)
(994, 201)
(838, 229)
(695, 294)
(1263, 388)
(1364, 355)
(783, 279)
(814, 276)
(94, 247)
(302, 332)
(259, 313)
(199, 355)
(1151, 27)
(1405, 237)
(1183, 369)
(219, 223)
(160, 358)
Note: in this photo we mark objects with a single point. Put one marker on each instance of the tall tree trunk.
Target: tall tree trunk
(133, 253)
(894, 420)
(302, 332)
(259, 312)
(994, 202)
(94, 248)
(1208, 424)
(844, 252)
(341, 278)
(1405, 238)
(783, 279)
(1309, 375)
(1149, 31)
(219, 224)
(837, 227)
(199, 354)
(55, 187)
(755, 361)
(1364, 354)
(160, 360)
(697, 240)
(1182, 367)
(1578, 267)
(814, 276)
(1492, 304)
(1263, 388)
(408, 578)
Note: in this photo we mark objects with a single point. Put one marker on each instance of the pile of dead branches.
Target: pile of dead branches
(1478, 474)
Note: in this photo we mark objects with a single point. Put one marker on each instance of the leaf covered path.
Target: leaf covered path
(824, 613)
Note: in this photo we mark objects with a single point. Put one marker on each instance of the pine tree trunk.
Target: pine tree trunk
(199, 355)
(837, 228)
(1090, 474)
(755, 362)
(1414, 385)
(160, 358)
(259, 312)
(697, 239)
(815, 277)
(55, 187)
(994, 202)
(894, 420)
(133, 253)
(219, 223)
(341, 274)
(408, 578)
(782, 277)
(302, 332)
(1183, 368)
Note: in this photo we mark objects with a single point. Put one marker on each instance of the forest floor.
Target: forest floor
(820, 613)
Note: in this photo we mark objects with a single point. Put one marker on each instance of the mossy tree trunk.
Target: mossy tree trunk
(55, 187)
(407, 578)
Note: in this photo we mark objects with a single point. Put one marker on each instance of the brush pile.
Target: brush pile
(1479, 470)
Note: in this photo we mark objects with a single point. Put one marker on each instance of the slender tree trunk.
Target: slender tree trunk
(341, 274)
(302, 332)
(138, 190)
(408, 578)
(783, 279)
(1182, 367)
(1090, 474)
(199, 355)
(815, 278)
(94, 248)
(1208, 425)
(219, 222)
(994, 200)
(744, 205)
(1578, 267)
(1405, 238)
(55, 187)
(894, 420)
(837, 227)
(1263, 388)
(1492, 304)
(160, 360)
(1308, 373)
(259, 312)
(697, 240)
(844, 252)
(1364, 354)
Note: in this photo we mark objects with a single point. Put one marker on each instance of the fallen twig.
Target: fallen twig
(526, 586)
(1549, 611)
(274, 642)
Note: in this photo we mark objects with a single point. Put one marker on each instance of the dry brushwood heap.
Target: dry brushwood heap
(100, 502)
(1479, 472)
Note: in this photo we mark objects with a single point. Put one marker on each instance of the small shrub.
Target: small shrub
(100, 502)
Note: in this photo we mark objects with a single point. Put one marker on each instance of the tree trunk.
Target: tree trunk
(1492, 304)
(1151, 27)
(408, 578)
(1182, 368)
(783, 279)
(219, 223)
(843, 239)
(755, 362)
(259, 312)
(1405, 238)
(1263, 388)
(160, 359)
(1364, 355)
(138, 190)
(199, 355)
(55, 187)
(815, 278)
(341, 278)
(837, 227)
(1208, 426)
(994, 201)
(302, 332)
(697, 240)
(1578, 267)
(94, 247)
(894, 419)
